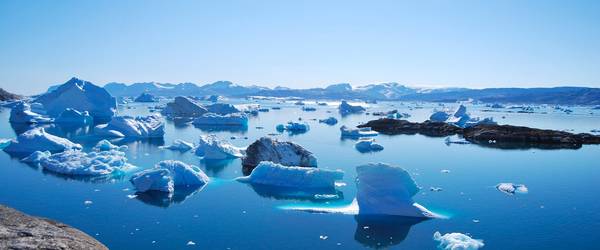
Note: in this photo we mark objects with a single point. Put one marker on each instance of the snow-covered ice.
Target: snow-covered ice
(212, 119)
(37, 139)
(511, 188)
(273, 174)
(459, 118)
(36, 156)
(183, 107)
(179, 145)
(22, 113)
(345, 108)
(74, 117)
(79, 163)
(457, 241)
(166, 176)
(367, 145)
(135, 127)
(357, 132)
(210, 147)
(105, 145)
(283, 152)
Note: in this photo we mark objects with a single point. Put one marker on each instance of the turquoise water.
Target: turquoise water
(559, 212)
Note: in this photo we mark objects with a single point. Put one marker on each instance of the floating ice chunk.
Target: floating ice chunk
(72, 116)
(281, 152)
(450, 140)
(38, 140)
(180, 145)
(357, 132)
(168, 175)
(439, 116)
(139, 127)
(211, 148)
(293, 127)
(222, 108)
(80, 95)
(145, 97)
(367, 145)
(386, 190)
(21, 113)
(273, 174)
(183, 107)
(457, 241)
(329, 121)
(511, 188)
(79, 163)
(105, 145)
(212, 119)
(345, 108)
(36, 156)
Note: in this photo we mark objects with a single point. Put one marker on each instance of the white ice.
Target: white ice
(273, 174)
(511, 188)
(38, 139)
(22, 113)
(79, 163)
(179, 145)
(139, 127)
(457, 241)
(367, 145)
(168, 175)
(459, 118)
(357, 132)
(210, 147)
(105, 145)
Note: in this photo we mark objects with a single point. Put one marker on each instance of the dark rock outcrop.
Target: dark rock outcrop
(490, 135)
(21, 231)
(7, 96)
(282, 152)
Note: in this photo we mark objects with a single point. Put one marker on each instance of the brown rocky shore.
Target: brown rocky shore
(498, 136)
(22, 231)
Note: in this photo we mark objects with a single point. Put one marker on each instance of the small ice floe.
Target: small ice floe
(105, 145)
(293, 127)
(88, 202)
(168, 175)
(435, 189)
(131, 196)
(366, 145)
(179, 145)
(357, 132)
(191, 243)
(450, 140)
(345, 108)
(212, 148)
(329, 121)
(36, 156)
(457, 241)
(212, 119)
(445, 171)
(475, 221)
(133, 127)
(74, 117)
(37, 139)
(78, 163)
(323, 237)
(273, 174)
(511, 188)
(22, 113)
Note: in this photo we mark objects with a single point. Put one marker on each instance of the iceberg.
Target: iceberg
(183, 107)
(37, 139)
(145, 97)
(74, 117)
(139, 127)
(282, 152)
(293, 127)
(22, 113)
(273, 174)
(36, 156)
(386, 190)
(345, 108)
(211, 148)
(105, 145)
(357, 132)
(511, 188)
(212, 119)
(457, 241)
(459, 118)
(80, 95)
(179, 145)
(367, 145)
(168, 175)
(222, 109)
(329, 121)
(79, 163)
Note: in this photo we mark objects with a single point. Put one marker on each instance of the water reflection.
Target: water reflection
(164, 199)
(83, 178)
(285, 193)
(383, 231)
(222, 128)
(215, 167)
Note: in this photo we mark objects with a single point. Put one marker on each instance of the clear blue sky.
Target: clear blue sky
(300, 43)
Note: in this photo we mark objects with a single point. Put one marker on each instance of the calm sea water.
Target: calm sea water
(561, 210)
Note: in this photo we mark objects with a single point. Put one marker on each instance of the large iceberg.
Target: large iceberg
(293, 127)
(168, 175)
(345, 108)
(211, 148)
(457, 241)
(37, 139)
(145, 97)
(459, 118)
(79, 163)
(357, 132)
(139, 127)
(183, 107)
(222, 108)
(212, 119)
(179, 145)
(281, 152)
(386, 190)
(74, 117)
(367, 145)
(273, 174)
(22, 113)
(80, 95)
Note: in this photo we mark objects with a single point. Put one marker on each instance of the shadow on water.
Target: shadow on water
(223, 128)
(215, 167)
(284, 193)
(383, 231)
(180, 123)
(164, 199)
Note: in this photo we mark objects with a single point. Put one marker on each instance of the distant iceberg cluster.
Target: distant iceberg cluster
(459, 118)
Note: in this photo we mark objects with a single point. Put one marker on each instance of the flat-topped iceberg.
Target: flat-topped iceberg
(293, 127)
(166, 176)
(457, 241)
(74, 117)
(22, 113)
(281, 152)
(80, 95)
(183, 107)
(134, 127)
(367, 145)
(212, 148)
(79, 163)
(459, 118)
(345, 108)
(37, 139)
(511, 188)
(212, 119)
(386, 190)
(222, 108)
(329, 121)
(179, 145)
(145, 97)
(357, 132)
(273, 174)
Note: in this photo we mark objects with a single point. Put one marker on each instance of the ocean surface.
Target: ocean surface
(561, 210)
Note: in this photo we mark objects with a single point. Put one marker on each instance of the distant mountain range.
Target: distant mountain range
(382, 91)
